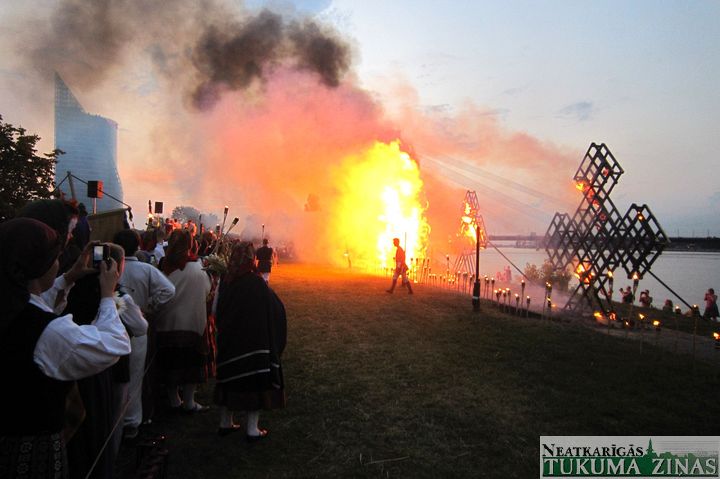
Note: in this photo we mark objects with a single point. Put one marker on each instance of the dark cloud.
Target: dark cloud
(201, 44)
(320, 51)
(233, 58)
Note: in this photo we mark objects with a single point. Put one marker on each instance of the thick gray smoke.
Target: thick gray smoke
(233, 58)
(207, 45)
(320, 52)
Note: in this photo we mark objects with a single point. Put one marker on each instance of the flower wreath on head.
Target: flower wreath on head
(215, 264)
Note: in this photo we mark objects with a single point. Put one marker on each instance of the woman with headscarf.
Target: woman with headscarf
(62, 216)
(181, 324)
(252, 333)
(43, 352)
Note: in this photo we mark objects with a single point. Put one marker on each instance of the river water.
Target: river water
(689, 274)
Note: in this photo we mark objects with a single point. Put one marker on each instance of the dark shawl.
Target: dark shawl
(252, 333)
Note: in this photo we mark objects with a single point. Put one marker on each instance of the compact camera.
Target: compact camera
(101, 252)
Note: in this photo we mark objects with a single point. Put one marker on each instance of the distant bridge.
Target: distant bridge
(679, 243)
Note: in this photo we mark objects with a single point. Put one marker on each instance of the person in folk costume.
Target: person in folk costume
(400, 268)
(252, 333)
(62, 216)
(207, 243)
(105, 393)
(182, 343)
(149, 289)
(45, 353)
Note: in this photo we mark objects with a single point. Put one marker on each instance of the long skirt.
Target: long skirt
(184, 357)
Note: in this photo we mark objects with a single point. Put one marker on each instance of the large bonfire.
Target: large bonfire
(381, 198)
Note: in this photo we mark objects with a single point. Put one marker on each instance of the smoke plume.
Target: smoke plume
(260, 111)
(232, 59)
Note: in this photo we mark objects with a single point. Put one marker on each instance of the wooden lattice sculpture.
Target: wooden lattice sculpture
(597, 239)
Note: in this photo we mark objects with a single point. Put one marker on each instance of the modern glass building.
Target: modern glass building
(90, 146)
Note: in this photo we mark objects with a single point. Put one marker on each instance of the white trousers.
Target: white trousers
(134, 413)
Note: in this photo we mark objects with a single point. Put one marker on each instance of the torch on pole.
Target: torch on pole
(476, 286)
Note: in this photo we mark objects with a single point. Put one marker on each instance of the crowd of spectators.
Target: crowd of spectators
(103, 335)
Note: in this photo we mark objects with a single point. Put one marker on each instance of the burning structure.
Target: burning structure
(596, 241)
(471, 222)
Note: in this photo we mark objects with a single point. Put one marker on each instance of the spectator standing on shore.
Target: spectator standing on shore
(207, 243)
(668, 306)
(627, 296)
(265, 257)
(150, 289)
(183, 354)
(711, 307)
(105, 393)
(148, 242)
(62, 216)
(160, 235)
(43, 352)
(645, 299)
(252, 333)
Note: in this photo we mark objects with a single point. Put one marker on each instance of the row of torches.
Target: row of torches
(421, 272)
(657, 325)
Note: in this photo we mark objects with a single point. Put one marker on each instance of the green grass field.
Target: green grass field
(386, 385)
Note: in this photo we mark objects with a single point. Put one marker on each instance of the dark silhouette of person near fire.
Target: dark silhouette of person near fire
(266, 257)
(400, 268)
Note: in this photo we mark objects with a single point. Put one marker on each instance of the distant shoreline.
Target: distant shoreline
(707, 245)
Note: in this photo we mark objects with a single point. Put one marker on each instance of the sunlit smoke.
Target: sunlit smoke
(218, 105)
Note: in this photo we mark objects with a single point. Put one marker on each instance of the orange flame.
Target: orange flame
(469, 224)
(583, 272)
(380, 199)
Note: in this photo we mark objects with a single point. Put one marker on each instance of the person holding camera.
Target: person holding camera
(103, 394)
(44, 352)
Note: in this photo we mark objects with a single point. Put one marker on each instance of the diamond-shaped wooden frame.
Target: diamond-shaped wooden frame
(597, 239)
